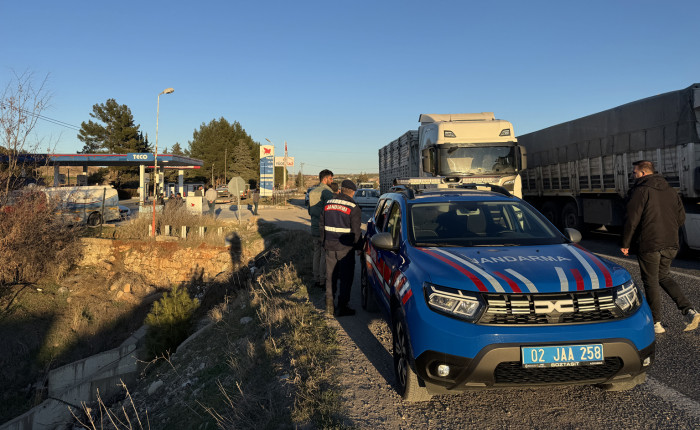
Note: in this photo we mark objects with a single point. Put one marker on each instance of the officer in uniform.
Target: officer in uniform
(339, 226)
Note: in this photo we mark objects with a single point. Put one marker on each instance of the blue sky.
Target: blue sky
(338, 80)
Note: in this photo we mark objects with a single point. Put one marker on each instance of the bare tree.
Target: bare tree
(22, 102)
(34, 241)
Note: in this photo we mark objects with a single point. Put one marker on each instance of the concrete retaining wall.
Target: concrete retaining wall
(80, 381)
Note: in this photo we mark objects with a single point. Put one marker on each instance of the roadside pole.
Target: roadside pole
(102, 211)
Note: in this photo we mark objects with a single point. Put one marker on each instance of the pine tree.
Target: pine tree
(114, 132)
(219, 139)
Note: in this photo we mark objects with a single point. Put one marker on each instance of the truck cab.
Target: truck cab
(471, 148)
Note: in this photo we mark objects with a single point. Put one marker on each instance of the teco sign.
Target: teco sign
(133, 156)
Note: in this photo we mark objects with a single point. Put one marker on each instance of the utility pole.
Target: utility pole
(284, 172)
(225, 157)
(212, 174)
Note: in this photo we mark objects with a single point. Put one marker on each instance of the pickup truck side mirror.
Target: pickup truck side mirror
(573, 235)
(384, 241)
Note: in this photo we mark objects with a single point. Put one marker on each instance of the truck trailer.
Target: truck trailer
(580, 171)
(452, 149)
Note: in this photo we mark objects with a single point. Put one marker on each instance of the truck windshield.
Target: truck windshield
(483, 223)
(483, 160)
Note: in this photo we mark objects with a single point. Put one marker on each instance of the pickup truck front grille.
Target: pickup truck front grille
(513, 373)
(541, 309)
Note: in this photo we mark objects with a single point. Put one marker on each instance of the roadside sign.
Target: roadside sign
(236, 186)
(279, 161)
(135, 156)
(267, 170)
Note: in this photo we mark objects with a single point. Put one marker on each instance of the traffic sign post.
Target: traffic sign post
(236, 186)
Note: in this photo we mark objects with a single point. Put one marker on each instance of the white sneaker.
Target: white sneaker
(693, 319)
(658, 328)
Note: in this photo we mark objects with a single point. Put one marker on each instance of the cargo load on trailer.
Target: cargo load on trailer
(579, 172)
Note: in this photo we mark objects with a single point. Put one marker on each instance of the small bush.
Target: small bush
(34, 240)
(169, 321)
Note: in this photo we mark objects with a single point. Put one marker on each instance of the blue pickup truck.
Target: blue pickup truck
(482, 291)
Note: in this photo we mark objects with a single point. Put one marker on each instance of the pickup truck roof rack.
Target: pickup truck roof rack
(411, 193)
(494, 188)
(403, 189)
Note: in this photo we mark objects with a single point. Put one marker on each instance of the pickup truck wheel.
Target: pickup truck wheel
(409, 387)
(367, 298)
(94, 220)
(624, 385)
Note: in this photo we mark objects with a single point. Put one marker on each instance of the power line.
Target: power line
(52, 120)
(47, 119)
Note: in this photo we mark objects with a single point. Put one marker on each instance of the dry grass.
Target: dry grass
(138, 228)
(297, 343)
(34, 242)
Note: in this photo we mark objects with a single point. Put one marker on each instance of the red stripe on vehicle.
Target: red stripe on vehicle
(601, 266)
(406, 296)
(480, 285)
(510, 282)
(579, 279)
(386, 272)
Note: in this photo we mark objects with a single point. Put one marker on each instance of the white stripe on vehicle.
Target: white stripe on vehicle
(562, 279)
(337, 229)
(494, 282)
(405, 286)
(589, 269)
(530, 286)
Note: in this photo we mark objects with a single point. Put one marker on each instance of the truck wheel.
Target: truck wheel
(94, 220)
(409, 387)
(624, 385)
(367, 298)
(570, 217)
(551, 211)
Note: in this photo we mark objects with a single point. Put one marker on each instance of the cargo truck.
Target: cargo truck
(579, 172)
(453, 149)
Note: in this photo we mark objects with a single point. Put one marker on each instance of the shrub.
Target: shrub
(169, 321)
(34, 241)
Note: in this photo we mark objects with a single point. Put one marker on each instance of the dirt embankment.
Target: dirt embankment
(98, 305)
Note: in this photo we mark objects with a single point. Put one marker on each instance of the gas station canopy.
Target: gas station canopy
(132, 159)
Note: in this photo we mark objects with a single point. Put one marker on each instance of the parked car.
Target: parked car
(222, 192)
(482, 291)
(124, 212)
(366, 197)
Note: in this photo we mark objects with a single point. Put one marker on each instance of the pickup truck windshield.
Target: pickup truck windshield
(484, 160)
(484, 223)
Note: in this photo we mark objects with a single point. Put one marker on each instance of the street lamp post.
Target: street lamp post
(155, 163)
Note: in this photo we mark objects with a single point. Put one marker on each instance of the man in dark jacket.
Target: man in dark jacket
(654, 215)
(339, 226)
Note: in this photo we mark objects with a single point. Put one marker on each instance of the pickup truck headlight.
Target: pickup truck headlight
(453, 302)
(628, 298)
